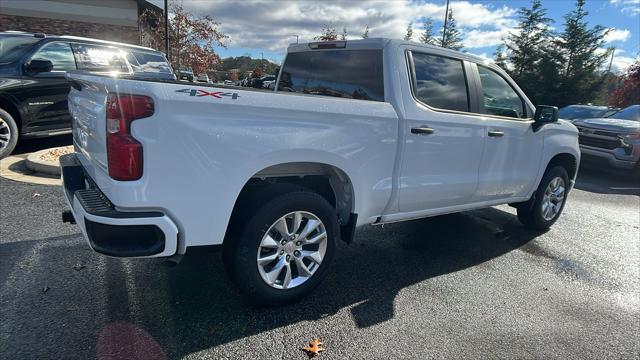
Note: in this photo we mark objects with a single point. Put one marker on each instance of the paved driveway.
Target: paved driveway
(471, 285)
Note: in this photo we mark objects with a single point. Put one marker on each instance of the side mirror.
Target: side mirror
(38, 65)
(545, 114)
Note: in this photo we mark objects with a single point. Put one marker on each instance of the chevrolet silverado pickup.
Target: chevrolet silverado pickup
(356, 132)
(613, 140)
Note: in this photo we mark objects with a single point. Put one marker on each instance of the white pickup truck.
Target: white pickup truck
(357, 132)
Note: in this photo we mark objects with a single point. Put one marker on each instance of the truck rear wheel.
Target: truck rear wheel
(545, 207)
(8, 134)
(284, 249)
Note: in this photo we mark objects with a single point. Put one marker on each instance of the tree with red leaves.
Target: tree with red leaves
(191, 38)
(328, 34)
(629, 91)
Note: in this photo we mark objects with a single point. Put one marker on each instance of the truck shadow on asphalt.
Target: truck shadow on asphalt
(193, 306)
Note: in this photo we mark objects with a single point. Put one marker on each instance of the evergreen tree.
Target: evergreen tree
(365, 34)
(499, 57)
(427, 36)
(524, 45)
(527, 48)
(409, 34)
(581, 57)
(450, 37)
(343, 36)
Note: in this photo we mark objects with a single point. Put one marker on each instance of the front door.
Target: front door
(512, 151)
(48, 91)
(444, 141)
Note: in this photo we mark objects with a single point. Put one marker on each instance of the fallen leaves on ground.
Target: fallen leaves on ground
(314, 349)
(54, 154)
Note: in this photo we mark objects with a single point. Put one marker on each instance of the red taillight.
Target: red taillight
(124, 152)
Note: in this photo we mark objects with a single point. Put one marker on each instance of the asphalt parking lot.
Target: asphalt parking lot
(470, 285)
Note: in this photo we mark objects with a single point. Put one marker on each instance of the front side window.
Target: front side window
(99, 58)
(59, 54)
(499, 98)
(352, 74)
(440, 82)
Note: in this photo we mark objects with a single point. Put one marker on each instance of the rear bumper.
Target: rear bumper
(108, 230)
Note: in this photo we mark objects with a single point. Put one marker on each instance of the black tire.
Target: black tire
(240, 253)
(530, 212)
(8, 128)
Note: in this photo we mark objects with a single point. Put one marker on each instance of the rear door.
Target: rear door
(513, 151)
(48, 91)
(443, 140)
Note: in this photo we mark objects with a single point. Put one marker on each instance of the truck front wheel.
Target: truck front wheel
(284, 249)
(548, 201)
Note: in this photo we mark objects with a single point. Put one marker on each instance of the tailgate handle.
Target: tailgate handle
(495, 133)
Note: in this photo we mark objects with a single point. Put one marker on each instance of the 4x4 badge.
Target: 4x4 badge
(215, 94)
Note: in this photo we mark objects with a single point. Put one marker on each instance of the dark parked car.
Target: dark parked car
(572, 112)
(33, 87)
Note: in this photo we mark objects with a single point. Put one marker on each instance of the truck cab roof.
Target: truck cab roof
(378, 44)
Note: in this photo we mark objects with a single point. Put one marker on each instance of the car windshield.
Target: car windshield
(12, 47)
(629, 113)
(584, 112)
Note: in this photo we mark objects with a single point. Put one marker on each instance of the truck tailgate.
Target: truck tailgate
(87, 100)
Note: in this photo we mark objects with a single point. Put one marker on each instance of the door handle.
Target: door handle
(423, 130)
(495, 133)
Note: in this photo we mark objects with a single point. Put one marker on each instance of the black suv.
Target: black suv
(33, 87)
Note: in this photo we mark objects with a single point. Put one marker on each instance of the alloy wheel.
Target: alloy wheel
(292, 250)
(553, 198)
(5, 134)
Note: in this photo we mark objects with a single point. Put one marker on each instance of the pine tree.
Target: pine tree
(582, 58)
(343, 36)
(499, 57)
(524, 45)
(409, 34)
(427, 36)
(365, 34)
(450, 37)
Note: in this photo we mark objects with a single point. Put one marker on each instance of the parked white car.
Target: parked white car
(376, 131)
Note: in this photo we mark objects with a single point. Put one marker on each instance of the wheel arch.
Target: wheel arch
(567, 161)
(9, 106)
(329, 181)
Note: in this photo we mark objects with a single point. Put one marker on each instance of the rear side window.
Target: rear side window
(148, 62)
(352, 74)
(59, 54)
(440, 82)
(499, 98)
(99, 58)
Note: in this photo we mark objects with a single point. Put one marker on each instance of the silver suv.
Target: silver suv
(614, 140)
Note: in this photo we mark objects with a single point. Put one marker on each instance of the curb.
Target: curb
(14, 168)
(34, 163)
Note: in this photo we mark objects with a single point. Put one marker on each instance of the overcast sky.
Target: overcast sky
(267, 27)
